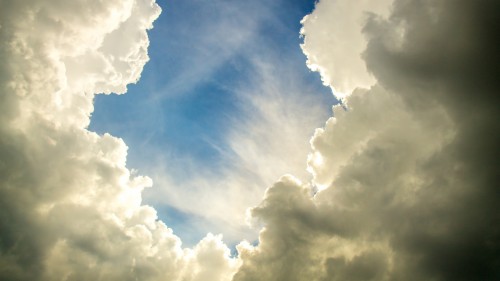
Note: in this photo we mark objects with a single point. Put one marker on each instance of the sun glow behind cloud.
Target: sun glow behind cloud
(410, 180)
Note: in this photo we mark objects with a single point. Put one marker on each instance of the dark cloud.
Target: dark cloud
(410, 166)
(447, 56)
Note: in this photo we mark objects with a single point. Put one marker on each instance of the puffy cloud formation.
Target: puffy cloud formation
(334, 38)
(407, 167)
(71, 210)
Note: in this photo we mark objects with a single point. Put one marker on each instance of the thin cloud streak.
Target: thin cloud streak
(269, 138)
(214, 39)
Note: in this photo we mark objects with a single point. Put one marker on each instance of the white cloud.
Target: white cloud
(71, 210)
(334, 42)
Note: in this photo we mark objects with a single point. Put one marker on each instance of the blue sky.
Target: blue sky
(209, 62)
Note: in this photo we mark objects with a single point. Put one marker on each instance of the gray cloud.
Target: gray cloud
(407, 171)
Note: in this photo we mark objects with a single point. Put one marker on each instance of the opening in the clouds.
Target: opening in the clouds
(224, 107)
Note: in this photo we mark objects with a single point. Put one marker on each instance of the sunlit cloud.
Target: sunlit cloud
(399, 184)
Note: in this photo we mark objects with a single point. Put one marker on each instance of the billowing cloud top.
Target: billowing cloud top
(334, 41)
(406, 168)
(71, 210)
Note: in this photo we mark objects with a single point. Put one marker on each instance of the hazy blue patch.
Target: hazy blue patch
(201, 53)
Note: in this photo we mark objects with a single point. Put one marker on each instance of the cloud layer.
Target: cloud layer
(404, 175)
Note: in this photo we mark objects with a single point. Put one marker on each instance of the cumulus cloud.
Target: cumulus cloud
(71, 210)
(407, 166)
(404, 180)
(333, 37)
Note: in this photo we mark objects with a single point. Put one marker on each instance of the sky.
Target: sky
(210, 107)
(249, 140)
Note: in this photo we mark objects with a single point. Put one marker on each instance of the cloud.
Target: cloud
(71, 210)
(406, 167)
(333, 37)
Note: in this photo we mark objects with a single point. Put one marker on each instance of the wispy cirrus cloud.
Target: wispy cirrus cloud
(267, 138)
(245, 127)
